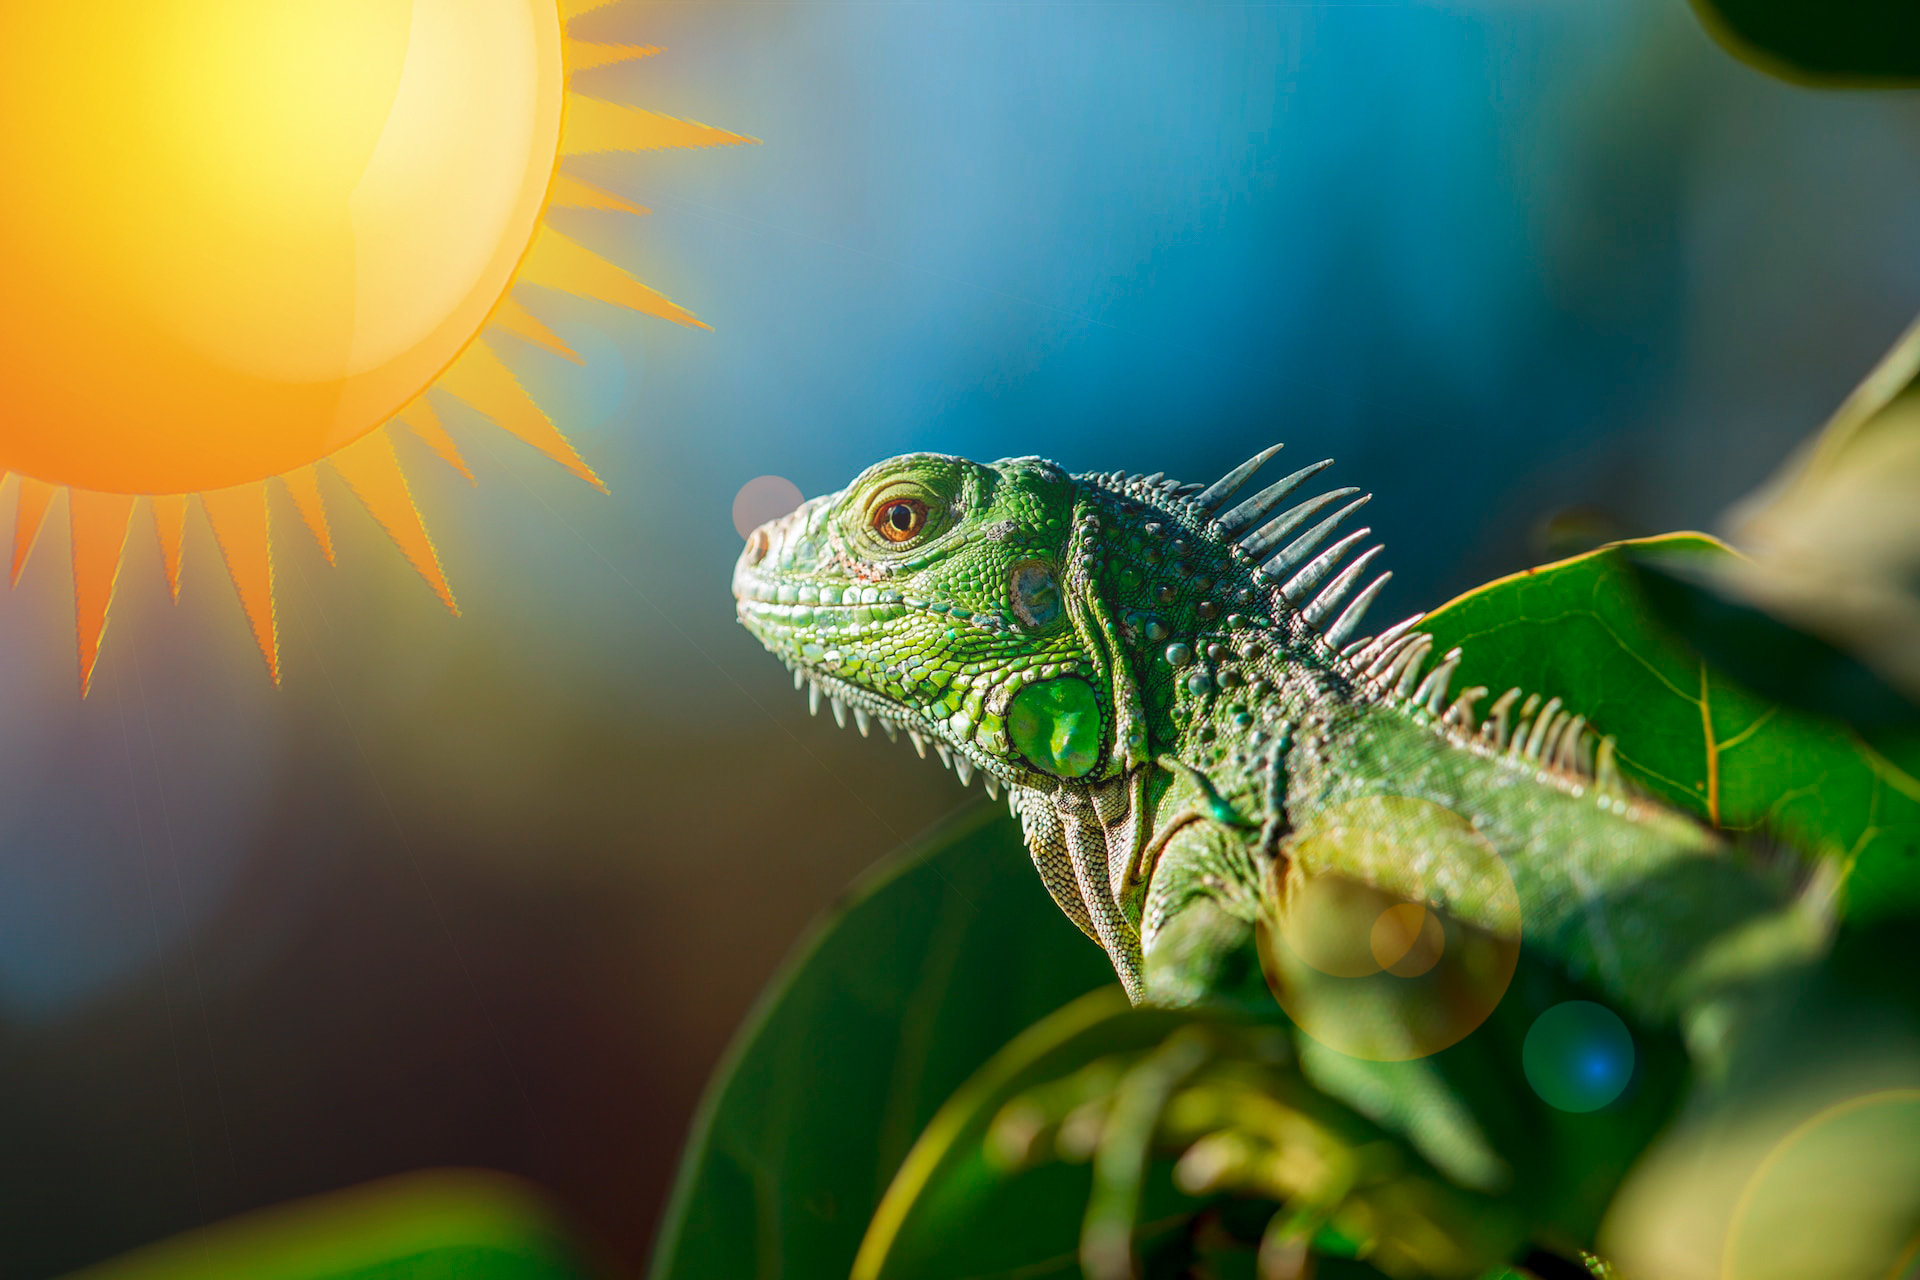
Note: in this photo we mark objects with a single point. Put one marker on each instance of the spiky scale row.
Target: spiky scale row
(1285, 554)
(1256, 508)
(1287, 560)
(1295, 589)
(1393, 665)
(1260, 543)
(1227, 485)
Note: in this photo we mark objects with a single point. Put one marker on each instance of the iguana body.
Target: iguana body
(1169, 681)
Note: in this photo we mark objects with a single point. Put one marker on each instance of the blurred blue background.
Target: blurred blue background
(495, 890)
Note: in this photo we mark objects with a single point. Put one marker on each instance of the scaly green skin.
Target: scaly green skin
(1194, 740)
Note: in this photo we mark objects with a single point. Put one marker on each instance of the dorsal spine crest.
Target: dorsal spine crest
(1286, 569)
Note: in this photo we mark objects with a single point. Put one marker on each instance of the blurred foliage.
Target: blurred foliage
(1833, 540)
(424, 1226)
(1686, 732)
(1107, 1132)
(937, 959)
(1828, 43)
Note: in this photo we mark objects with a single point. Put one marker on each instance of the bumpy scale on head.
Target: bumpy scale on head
(930, 595)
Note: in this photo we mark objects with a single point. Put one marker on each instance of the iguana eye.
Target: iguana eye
(900, 519)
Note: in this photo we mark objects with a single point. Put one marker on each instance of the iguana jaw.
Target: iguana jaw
(788, 594)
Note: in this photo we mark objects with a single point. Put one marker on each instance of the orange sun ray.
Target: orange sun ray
(28, 516)
(594, 124)
(584, 55)
(420, 419)
(170, 523)
(409, 152)
(239, 519)
(557, 262)
(99, 523)
(569, 192)
(303, 485)
(372, 470)
(480, 379)
(514, 318)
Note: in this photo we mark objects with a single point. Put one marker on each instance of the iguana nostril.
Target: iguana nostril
(757, 546)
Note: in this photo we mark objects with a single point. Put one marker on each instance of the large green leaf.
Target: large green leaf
(1578, 630)
(477, 1226)
(939, 957)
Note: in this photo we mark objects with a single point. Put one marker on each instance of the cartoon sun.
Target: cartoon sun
(239, 240)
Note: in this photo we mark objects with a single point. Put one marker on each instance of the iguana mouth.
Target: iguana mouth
(865, 709)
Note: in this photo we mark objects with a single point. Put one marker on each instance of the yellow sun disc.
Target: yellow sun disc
(239, 237)
(260, 229)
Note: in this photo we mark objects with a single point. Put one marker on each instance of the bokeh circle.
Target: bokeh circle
(761, 499)
(1578, 1056)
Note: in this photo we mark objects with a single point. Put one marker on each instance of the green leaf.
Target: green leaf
(1773, 658)
(478, 1226)
(939, 957)
(1830, 43)
(1686, 733)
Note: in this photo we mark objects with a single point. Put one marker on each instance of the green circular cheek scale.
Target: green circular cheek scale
(1056, 725)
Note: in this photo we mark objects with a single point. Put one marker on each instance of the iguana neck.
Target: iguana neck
(1215, 674)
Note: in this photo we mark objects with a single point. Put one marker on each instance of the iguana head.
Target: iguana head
(1041, 627)
(930, 594)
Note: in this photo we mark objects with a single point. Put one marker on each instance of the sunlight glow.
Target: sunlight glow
(241, 237)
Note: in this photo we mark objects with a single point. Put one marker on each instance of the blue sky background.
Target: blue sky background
(494, 890)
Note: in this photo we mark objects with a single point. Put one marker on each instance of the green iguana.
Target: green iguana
(1172, 683)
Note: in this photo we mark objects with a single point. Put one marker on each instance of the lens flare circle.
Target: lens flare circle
(1407, 940)
(1358, 951)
